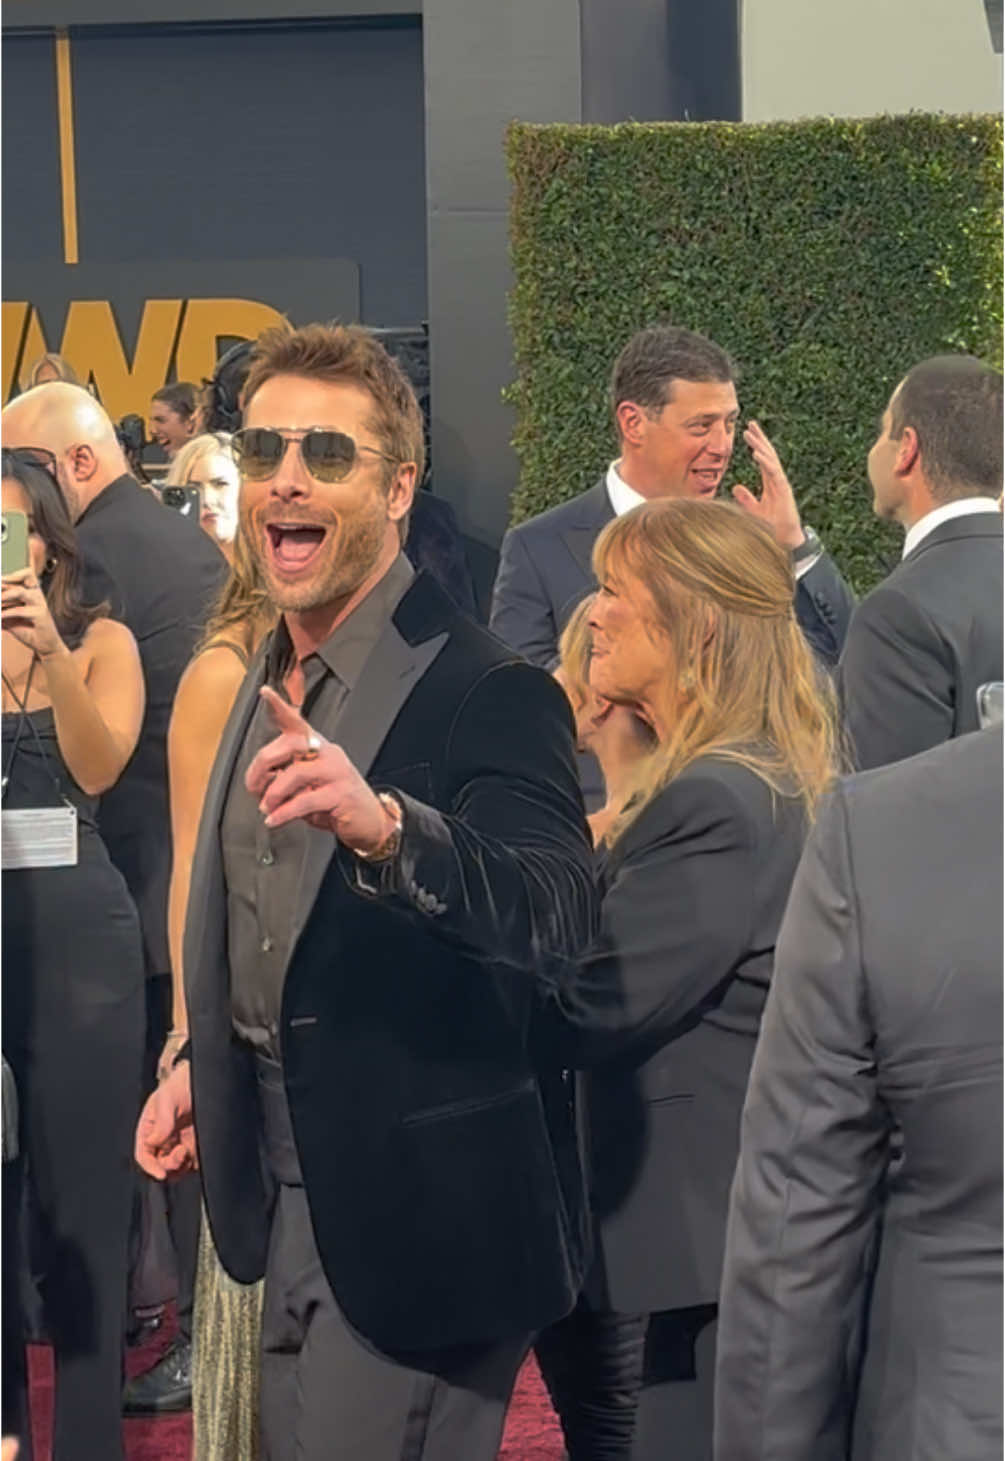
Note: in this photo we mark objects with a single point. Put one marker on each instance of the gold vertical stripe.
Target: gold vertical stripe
(67, 157)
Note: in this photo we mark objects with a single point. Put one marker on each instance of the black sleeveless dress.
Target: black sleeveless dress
(73, 1023)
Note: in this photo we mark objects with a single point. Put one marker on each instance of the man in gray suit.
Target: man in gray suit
(673, 395)
(860, 1314)
(922, 642)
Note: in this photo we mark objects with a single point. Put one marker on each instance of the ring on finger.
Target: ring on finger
(313, 748)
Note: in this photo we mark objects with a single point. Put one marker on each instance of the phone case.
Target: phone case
(13, 542)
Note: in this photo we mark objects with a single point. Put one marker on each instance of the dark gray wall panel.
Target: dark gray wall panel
(32, 210)
(486, 63)
(257, 144)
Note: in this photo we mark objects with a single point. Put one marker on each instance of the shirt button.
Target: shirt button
(267, 945)
(267, 858)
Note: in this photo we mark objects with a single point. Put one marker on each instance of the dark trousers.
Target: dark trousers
(326, 1393)
(78, 1078)
(592, 1363)
(676, 1407)
(632, 1387)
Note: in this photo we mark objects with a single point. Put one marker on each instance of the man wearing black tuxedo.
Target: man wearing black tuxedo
(393, 857)
(923, 642)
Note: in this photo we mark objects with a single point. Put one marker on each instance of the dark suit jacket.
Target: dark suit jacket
(921, 644)
(885, 1019)
(545, 570)
(161, 573)
(665, 1012)
(441, 1168)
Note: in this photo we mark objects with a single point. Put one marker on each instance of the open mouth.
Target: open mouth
(293, 546)
(708, 480)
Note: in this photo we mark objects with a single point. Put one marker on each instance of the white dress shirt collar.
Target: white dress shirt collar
(623, 498)
(962, 507)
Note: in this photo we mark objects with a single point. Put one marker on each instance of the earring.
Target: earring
(686, 683)
(51, 563)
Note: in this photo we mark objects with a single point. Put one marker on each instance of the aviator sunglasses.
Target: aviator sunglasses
(328, 455)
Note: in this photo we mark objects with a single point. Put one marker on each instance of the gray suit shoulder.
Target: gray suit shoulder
(965, 772)
(586, 509)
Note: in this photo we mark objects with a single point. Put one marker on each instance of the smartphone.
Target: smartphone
(186, 500)
(14, 542)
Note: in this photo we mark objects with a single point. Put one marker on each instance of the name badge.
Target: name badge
(38, 837)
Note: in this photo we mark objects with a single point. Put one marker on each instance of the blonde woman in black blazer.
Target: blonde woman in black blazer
(693, 628)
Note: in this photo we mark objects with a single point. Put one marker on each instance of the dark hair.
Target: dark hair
(221, 394)
(60, 583)
(180, 397)
(954, 404)
(345, 353)
(657, 356)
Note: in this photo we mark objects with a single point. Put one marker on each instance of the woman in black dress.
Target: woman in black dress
(72, 969)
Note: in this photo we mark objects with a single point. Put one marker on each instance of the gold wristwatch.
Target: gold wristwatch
(392, 842)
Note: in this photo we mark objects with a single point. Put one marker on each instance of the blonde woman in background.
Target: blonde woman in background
(614, 734)
(50, 367)
(227, 1314)
(208, 462)
(694, 630)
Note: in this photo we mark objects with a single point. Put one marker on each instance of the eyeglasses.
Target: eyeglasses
(328, 455)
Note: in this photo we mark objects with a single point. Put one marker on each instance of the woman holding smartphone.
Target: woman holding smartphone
(72, 965)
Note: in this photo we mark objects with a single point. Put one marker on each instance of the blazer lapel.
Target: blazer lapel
(580, 536)
(391, 673)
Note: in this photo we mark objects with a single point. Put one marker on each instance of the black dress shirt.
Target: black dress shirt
(263, 866)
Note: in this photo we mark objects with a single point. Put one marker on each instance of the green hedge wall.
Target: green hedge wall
(826, 256)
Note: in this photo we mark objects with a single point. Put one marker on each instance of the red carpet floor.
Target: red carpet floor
(532, 1432)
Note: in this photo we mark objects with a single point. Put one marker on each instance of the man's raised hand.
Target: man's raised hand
(776, 506)
(302, 775)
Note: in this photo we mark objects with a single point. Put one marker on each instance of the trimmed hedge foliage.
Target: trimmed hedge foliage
(826, 256)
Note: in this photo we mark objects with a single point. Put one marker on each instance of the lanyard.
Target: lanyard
(24, 718)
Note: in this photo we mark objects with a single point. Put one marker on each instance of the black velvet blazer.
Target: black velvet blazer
(440, 1165)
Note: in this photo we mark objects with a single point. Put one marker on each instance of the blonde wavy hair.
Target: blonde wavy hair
(243, 611)
(574, 648)
(741, 681)
(193, 451)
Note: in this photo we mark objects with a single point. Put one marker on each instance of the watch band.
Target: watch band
(808, 548)
(392, 842)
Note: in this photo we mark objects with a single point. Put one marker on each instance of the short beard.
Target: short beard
(358, 552)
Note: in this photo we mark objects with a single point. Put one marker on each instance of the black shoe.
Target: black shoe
(142, 1326)
(164, 1389)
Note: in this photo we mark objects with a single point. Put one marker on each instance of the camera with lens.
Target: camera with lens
(130, 433)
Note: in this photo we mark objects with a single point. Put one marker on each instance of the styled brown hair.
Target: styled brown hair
(954, 405)
(741, 681)
(181, 397)
(347, 353)
(60, 581)
(655, 357)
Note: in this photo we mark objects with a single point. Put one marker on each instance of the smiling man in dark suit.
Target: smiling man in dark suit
(673, 396)
(921, 644)
(393, 856)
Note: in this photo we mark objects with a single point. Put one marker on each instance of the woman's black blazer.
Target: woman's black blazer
(662, 1019)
